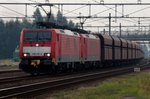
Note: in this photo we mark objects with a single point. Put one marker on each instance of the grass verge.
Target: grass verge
(132, 86)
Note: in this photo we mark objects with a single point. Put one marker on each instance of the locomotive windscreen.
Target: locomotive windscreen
(37, 36)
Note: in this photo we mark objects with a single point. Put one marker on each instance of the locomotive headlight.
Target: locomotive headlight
(47, 54)
(26, 54)
(36, 45)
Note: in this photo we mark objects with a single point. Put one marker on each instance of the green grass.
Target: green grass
(134, 85)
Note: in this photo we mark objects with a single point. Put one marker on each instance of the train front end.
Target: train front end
(35, 50)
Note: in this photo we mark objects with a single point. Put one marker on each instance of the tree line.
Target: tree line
(10, 30)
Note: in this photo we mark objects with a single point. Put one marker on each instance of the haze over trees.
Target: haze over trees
(10, 31)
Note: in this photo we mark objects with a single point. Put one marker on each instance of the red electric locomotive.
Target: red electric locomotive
(90, 50)
(42, 50)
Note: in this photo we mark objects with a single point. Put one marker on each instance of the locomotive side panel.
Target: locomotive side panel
(69, 48)
(91, 50)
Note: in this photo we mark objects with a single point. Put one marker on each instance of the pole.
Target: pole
(116, 13)
(104, 31)
(149, 30)
(89, 10)
(120, 30)
(109, 23)
(122, 10)
(26, 10)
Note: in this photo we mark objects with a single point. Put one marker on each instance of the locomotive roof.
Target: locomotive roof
(90, 36)
(67, 32)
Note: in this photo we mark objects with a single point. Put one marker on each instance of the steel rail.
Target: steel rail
(35, 87)
(13, 79)
(10, 71)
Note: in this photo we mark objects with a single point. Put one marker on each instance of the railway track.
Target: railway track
(10, 71)
(63, 81)
(8, 74)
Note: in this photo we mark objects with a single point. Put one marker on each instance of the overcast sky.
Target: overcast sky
(96, 11)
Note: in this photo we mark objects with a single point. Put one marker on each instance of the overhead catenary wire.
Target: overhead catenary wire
(73, 12)
(67, 11)
(114, 10)
(54, 6)
(12, 10)
(134, 21)
(109, 8)
(102, 12)
(138, 11)
(15, 12)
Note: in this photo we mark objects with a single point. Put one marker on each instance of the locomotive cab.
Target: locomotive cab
(36, 48)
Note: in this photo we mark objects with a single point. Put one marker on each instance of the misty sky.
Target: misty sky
(96, 11)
